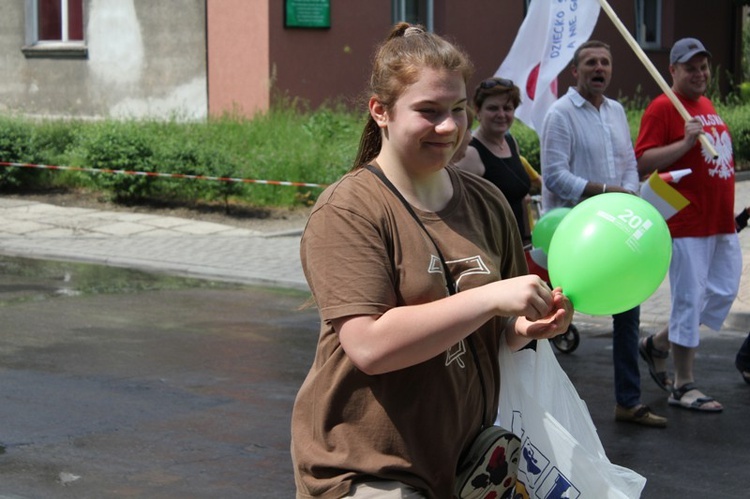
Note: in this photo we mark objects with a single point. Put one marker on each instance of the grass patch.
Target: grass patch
(289, 143)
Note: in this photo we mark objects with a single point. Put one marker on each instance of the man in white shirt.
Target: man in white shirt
(586, 150)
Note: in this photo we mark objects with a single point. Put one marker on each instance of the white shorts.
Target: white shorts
(704, 277)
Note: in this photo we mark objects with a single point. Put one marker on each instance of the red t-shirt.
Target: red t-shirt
(710, 186)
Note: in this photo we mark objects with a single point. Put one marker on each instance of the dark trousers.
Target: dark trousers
(625, 356)
(742, 361)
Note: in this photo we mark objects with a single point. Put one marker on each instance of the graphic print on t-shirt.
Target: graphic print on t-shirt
(462, 267)
(722, 142)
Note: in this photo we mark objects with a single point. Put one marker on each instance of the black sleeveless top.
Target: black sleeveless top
(510, 176)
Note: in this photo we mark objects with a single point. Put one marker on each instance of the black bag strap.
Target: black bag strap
(450, 283)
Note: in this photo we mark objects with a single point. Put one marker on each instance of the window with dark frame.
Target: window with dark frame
(414, 12)
(648, 23)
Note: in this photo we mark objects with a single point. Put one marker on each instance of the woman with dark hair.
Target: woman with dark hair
(493, 152)
(393, 398)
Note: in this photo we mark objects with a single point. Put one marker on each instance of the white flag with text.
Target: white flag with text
(544, 46)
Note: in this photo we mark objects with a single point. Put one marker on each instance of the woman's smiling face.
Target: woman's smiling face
(496, 114)
(428, 121)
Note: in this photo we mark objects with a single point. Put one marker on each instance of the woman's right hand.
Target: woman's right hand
(524, 296)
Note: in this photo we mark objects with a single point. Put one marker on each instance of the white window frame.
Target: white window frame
(63, 48)
(399, 12)
(640, 27)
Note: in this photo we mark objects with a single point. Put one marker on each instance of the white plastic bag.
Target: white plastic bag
(561, 454)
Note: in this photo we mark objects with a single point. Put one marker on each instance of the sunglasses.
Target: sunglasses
(494, 82)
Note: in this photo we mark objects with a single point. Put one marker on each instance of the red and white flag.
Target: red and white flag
(544, 46)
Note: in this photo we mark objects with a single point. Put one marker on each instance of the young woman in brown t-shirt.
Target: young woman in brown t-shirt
(393, 398)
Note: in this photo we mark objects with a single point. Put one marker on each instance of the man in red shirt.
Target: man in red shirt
(706, 259)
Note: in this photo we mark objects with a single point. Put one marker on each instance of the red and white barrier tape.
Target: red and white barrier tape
(164, 175)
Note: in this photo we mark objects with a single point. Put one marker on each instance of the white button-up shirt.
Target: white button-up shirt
(580, 143)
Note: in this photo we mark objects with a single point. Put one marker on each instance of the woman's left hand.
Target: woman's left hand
(556, 322)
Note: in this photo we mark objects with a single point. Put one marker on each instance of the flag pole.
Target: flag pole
(654, 72)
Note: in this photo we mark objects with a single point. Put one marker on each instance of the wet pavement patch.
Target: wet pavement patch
(35, 280)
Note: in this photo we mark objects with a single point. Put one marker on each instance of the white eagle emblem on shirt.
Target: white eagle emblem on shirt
(722, 165)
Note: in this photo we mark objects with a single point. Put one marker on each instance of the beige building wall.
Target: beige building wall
(239, 78)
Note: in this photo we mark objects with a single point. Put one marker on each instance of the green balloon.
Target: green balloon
(610, 253)
(544, 229)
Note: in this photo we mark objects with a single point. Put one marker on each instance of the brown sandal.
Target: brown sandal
(648, 353)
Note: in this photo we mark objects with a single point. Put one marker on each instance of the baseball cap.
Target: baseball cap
(686, 48)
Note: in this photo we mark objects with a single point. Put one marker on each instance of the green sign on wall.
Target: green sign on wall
(308, 14)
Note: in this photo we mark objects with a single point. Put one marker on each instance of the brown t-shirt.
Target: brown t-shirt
(362, 254)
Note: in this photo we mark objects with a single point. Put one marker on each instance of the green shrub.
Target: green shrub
(288, 143)
(221, 164)
(16, 137)
(121, 146)
(744, 91)
(528, 143)
(738, 120)
(51, 140)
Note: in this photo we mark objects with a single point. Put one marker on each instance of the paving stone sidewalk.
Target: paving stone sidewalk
(148, 242)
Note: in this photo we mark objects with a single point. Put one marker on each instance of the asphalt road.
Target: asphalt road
(148, 386)
(119, 383)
